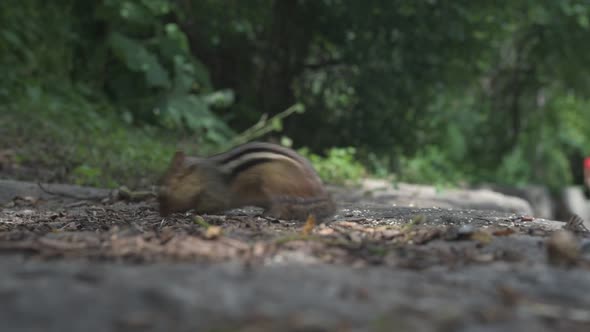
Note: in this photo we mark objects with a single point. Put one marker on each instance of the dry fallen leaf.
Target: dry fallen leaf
(326, 231)
(213, 232)
(503, 231)
(481, 237)
(309, 225)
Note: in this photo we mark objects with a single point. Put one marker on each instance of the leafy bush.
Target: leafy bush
(80, 141)
(121, 52)
(155, 76)
(339, 166)
(430, 166)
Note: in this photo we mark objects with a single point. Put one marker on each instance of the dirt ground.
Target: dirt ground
(72, 264)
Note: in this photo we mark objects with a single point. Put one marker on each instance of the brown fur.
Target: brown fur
(285, 188)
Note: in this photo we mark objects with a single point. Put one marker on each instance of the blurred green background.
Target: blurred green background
(441, 92)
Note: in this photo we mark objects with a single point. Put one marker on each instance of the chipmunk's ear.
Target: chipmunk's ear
(178, 159)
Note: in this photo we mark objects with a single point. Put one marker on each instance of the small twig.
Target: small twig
(67, 195)
(123, 193)
(265, 125)
(76, 204)
(484, 219)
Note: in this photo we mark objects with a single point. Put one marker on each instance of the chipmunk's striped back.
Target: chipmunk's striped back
(241, 158)
(259, 174)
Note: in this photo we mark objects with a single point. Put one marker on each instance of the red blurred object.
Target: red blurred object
(587, 163)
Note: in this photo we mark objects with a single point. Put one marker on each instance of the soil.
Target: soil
(86, 261)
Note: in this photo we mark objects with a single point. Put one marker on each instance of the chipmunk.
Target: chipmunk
(254, 174)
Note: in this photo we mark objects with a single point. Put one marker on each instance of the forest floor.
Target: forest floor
(73, 264)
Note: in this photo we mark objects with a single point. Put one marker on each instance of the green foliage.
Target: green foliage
(432, 91)
(81, 142)
(571, 124)
(430, 166)
(339, 166)
(157, 78)
(85, 174)
(120, 50)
